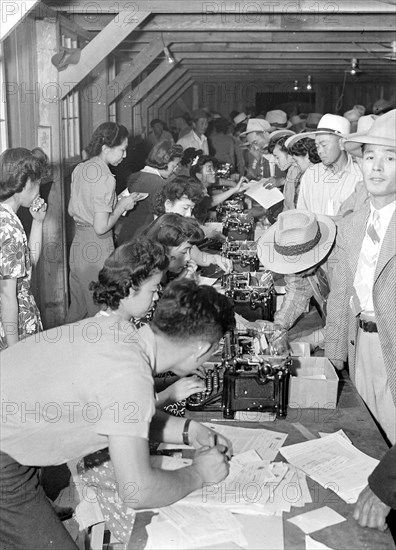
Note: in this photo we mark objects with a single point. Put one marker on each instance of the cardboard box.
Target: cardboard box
(313, 383)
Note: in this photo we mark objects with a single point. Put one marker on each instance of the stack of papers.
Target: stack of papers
(334, 463)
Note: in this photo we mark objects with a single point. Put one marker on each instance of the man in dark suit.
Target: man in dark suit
(361, 314)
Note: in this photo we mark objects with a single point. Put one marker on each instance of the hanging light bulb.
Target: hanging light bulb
(354, 66)
(296, 87)
(309, 82)
(169, 57)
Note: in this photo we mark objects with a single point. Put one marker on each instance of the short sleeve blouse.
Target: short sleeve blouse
(92, 190)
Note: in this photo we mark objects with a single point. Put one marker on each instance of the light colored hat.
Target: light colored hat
(257, 125)
(381, 105)
(278, 119)
(241, 117)
(361, 109)
(332, 124)
(352, 115)
(293, 139)
(281, 133)
(298, 241)
(381, 132)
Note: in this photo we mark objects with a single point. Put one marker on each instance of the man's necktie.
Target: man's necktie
(374, 227)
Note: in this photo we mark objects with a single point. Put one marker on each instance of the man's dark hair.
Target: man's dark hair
(280, 142)
(187, 311)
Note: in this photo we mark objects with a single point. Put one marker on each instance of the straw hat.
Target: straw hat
(298, 241)
(278, 119)
(332, 124)
(241, 117)
(381, 132)
(257, 125)
(281, 133)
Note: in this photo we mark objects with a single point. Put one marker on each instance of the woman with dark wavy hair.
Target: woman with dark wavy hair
(94, 208)
(163, 159)
(177, 234)
(21, 171)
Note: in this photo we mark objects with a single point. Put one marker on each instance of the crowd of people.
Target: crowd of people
(136, 253)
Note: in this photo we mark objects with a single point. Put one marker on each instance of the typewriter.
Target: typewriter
(253, 290)
(238, 227)
(248, 378)
(243, 255)
(236, 205)
(224, 170)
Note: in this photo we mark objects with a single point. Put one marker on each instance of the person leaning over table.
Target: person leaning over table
(98, 393)
(298, 246)
(180, 196)
(361, 315)
(379, 497)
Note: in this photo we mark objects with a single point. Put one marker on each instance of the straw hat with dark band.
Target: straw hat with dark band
(298, 241)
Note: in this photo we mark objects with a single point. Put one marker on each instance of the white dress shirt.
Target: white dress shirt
(194, 140)
(368, 258)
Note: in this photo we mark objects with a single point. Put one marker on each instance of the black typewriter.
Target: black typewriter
(247, 378)
(243, 255)
(253, 290)
(238, 227)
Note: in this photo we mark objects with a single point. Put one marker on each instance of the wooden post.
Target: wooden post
(53, 262)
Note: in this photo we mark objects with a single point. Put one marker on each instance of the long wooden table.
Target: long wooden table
(353, 417)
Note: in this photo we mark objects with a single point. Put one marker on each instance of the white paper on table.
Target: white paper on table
(265, 197)
(263, 532)
(333, 463)
(317, 519)
(203, 526)
(311, 544)
(341, 432)
(266, 442)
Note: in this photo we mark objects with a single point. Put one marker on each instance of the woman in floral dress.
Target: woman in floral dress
(20, 174)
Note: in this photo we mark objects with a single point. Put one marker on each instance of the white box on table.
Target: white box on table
(313, 383)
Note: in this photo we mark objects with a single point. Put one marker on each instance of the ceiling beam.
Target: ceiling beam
(174, 94)
(140, 91)
(137, 66)
(158, 91)
(99, 48)
(245, 7)
(310, 23)
(172, 90)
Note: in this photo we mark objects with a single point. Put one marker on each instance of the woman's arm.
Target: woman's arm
(221, 197)
(9, 309)
(104, 221)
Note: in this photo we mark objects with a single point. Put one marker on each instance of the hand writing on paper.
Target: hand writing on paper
(211, 464)
(370, 511)
(202, 436)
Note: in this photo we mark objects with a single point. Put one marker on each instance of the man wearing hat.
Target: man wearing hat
(326, 185)
(196, 136)
(297, 246)
(362, 307)
(277, 119)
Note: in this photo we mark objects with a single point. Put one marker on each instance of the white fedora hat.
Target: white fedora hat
(298, 241)
(381, 132)
(278, 119)
(257, 125)
(332, 124)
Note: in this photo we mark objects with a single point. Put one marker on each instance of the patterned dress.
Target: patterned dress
(15, 263)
